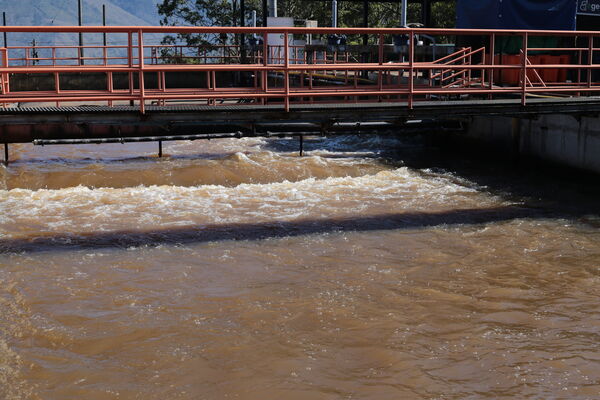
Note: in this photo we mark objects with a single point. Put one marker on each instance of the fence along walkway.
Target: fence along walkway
(275, 69)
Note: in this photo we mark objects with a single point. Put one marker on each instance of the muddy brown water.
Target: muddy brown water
(236, 269)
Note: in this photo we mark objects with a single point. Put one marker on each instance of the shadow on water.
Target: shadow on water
(542, 191)
(82, 162)
(259, 231)
(364, 144)
(534, 183)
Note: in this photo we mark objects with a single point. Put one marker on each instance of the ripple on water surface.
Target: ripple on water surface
(349, 277)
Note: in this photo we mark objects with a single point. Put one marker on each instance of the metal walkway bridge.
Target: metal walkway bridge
(278, 81)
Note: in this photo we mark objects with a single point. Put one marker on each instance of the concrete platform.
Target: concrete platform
(27, 124)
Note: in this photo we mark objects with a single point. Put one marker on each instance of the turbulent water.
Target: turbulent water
(370, 268)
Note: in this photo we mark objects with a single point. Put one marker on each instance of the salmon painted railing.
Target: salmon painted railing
(287, 66)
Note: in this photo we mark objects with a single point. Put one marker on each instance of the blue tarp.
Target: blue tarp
(516, 14)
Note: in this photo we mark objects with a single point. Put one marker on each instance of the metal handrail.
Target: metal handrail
(284, 73)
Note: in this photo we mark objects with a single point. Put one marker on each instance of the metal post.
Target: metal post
(160, 150)
(265, 59)
(130, 61)
(104, 22)
(365, 38)
(404, 13)
(254, 24)
(426, 13)
(301, 137)
(590, 60)
(286, 48)
(234, 13)
(5, 76)
(80, 17)
(5, 34)
(265, 7)
(492, 62)
(524, 69)
(334, 14)
(411, 66)
(104, 41)
(5, 153)
(34, 53)
(242, 13)
(273, 8)
(243, 24)
(380, 72)
(141, 71)
(365, 20)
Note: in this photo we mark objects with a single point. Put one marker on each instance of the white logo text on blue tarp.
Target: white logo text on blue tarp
(588, 7)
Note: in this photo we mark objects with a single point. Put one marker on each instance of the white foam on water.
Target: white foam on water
(82, 209)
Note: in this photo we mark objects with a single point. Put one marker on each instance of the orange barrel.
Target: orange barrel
(562, 73)
(497, 72)
(511, 76)
(550, 75)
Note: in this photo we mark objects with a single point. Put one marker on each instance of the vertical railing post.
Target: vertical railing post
(265, 72)
(590, 60)
(411, 65)
(286, 49)
(5, 80)
(492, 63)
(524, 69)
(105, 54)
(57, 86)
(5, 76)
(213, 77)
(130, 62)
(110, 86)
(109, 82)
(483, 71)
(163, 78)
(141, 71)
(579, 62)
(380, 56)
(57, 82)
(469, 71)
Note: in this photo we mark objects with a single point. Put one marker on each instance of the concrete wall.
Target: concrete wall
(558, 138)
(565, 139)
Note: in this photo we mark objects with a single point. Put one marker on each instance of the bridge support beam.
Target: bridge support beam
(5, 153)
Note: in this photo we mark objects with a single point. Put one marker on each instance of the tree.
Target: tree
(196, 13)
(221, 13)
(443, 14)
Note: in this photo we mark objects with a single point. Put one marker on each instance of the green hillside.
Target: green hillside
(64, 12)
